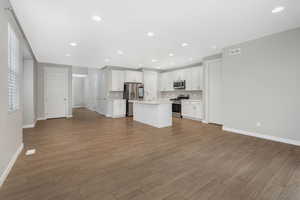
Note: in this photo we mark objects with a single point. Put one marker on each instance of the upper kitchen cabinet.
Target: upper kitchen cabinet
(116, 80)
(179, 75)
(133, 76)
(166, 81)
(194, 78)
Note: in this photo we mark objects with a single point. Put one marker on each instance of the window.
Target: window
(13, 70)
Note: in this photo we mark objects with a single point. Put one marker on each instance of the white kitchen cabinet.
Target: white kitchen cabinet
(115, 108)
(196, 78)
(178, 75)
(118, 108)
(192, 109)
(166, 81)
(163, 82)
(116, 80)
(133, 76)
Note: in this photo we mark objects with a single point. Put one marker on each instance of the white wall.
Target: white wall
(78, 92)
(262, 85)
(11, 138)
(40, 89)
(92, 89)
(29, 93)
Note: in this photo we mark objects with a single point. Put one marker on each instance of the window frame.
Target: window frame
(13, 74)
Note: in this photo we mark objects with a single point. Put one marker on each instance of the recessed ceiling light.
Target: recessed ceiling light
(190, 59)
(73, 44)
(184, 44)
(68, 55)
(154, 60)
(96, 18)
(106, 60)
(278, 9)
(171, 54)
(150, 34)
(120, 52)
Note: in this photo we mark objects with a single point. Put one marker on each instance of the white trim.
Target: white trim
(204, 121)
(41, 118)
(69, 116)
(259, 135)
(10, 164)
(192, 118)
(118, 116)
(78, 106)
(30, 125)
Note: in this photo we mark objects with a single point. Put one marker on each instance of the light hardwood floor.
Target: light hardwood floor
(91, 157)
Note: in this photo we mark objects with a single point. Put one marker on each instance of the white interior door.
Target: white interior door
(214, 92)
(56, 92)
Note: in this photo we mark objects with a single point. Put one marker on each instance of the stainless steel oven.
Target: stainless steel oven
(179, 85)
(176, 109)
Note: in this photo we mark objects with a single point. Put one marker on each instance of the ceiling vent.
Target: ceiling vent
(235, 51)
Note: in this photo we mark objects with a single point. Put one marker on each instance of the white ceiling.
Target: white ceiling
(51, 25)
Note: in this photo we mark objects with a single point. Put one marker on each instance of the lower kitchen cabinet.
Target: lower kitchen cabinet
(192, 109)
(116, 108)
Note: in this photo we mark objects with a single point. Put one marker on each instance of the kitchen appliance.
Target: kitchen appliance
(176, 105)
(132, 91)
(179, 84)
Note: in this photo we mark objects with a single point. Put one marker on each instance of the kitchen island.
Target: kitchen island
(153, 113)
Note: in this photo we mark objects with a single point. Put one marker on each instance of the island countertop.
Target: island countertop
(156, 102)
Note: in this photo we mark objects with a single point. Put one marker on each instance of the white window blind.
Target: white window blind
(13, 70)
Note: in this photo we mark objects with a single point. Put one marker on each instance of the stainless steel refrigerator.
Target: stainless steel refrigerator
(132, 91)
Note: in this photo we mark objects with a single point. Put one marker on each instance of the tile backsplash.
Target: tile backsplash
(197, 95)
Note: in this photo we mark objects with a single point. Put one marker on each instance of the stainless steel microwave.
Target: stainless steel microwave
(179, 85)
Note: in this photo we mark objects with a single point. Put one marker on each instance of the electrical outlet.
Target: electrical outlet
(258, 124)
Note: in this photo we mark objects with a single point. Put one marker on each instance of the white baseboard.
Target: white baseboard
(192, 118)
(205, 122)
(118, 116)
(41, 118)
(10, 165)
(259, 135)
(69, 116)
(78, 106)
(30, 125)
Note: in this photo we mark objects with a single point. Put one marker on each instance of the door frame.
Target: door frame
(65, 70)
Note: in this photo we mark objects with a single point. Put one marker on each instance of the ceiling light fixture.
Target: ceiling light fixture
(106, 60)
(68, 55)
(120, 52)
(184, 44)
(73, 44)
(190, 59)
(278, 9)
(150, 34)
(154, 60)
(171, 54)
(96, 18)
